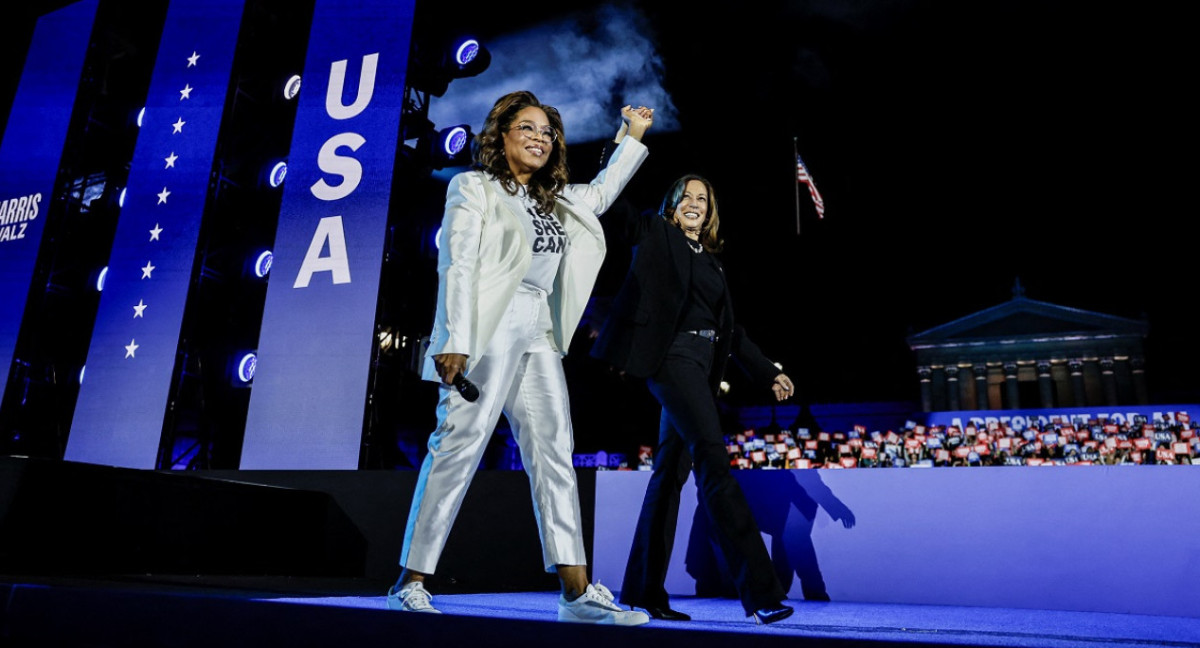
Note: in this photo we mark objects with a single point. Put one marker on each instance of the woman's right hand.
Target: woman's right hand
(449, 365)
(636, 121)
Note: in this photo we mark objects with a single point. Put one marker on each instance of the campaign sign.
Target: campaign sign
(123, 400)
(30, 154)
(314, 349)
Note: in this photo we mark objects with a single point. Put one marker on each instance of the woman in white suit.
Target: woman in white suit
(519, 252)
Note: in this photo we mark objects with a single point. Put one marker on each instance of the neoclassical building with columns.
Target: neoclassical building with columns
(1031, 354)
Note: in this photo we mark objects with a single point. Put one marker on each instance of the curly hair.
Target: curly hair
(708, 231)
(487, 150)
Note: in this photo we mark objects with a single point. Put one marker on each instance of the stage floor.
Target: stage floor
(853, 621)
(134, 612)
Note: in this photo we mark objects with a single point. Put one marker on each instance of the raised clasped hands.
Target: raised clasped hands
(636, 120)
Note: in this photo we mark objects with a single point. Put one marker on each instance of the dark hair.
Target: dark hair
(487, 151)
(708, 231)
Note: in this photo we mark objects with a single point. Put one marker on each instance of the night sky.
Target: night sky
(959, 146)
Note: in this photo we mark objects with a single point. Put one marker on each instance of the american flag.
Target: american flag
(802, 175)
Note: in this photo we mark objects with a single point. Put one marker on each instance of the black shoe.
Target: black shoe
(667, 614)
(772, 613)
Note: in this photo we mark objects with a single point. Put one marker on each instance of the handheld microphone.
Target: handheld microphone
(465, 387)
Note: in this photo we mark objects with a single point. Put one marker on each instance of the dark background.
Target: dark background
(959, 147)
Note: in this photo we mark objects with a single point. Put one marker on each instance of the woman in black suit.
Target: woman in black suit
(672, 324)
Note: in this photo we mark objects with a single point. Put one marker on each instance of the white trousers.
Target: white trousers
(520, 375)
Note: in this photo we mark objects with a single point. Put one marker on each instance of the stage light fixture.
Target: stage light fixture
(121, 198)
(245, 367)
(262, 264)
(437, 239)
(100, 279)
(141, 114)
(457, 59)
(292, 87)
(450, 147)
(277, 173)
(454, 139)
(467, 56)
(81, 370)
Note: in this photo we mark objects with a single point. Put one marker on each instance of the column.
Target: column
(1108, 380)
(1078, 389)
(1138, 365)
(1045, 383)
(981, 385)
(938, 388)
(952, 388)
(925, 376)
(1011, 386)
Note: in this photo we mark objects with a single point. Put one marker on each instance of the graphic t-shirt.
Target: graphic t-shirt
(549, 240)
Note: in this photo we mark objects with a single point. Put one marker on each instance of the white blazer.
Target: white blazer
(484, 254)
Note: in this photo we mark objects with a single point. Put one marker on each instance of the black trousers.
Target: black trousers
(690, 437)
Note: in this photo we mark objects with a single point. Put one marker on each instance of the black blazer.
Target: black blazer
(646, 310)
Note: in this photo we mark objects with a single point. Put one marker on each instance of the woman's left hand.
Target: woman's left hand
(783, 387)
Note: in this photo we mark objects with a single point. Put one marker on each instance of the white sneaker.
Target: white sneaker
(413, 597)
(596, 606)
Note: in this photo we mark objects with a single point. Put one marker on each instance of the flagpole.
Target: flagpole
(796, 182)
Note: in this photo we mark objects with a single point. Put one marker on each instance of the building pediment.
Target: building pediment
(1023, 318)
(1029, 351)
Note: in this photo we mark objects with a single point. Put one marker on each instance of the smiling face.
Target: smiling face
(526, 149)
(692, 209)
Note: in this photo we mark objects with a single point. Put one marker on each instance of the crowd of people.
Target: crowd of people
(1168, 440)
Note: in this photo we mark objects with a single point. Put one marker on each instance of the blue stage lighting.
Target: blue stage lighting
(100, 279)
(277, 174)
(454, 139)
(437, 64)
(466, 51)
(450, 147)
(470, 58)
(245, 367)
(292, 87)
(262, 265)
(81, 370)
(121, 199)
(141, 114)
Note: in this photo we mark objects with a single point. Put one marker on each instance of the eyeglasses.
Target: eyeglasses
(532, 132)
